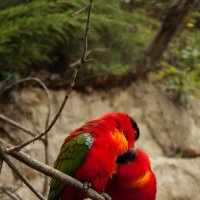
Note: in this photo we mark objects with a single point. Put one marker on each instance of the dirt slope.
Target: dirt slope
(167, 129)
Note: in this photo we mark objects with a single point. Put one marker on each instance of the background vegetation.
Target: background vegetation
(41, 34)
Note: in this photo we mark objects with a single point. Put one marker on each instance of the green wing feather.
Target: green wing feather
(69, 159)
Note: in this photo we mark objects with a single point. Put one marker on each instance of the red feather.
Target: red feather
(134, 180)
(113, 135)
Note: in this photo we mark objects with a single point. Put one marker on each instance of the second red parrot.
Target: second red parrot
(134, 179)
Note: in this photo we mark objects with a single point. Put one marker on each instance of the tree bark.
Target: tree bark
(174, 17)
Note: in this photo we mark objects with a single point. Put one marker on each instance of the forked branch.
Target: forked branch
(49, 171)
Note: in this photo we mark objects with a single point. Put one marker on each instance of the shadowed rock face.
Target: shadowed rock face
(166, 128)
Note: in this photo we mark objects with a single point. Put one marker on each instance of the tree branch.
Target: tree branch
(43, 86)
(1, 164)
(51, 172)
(72, 83)
(174, 17)
(10, 191)
(80, 10)
(17, 172)
(17, 125)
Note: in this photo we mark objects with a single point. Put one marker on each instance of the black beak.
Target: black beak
(127, 157)
(136, 128)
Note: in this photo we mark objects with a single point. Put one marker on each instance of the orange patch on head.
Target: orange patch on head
(120, 140)
(142, 180)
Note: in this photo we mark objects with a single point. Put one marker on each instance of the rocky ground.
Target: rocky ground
(170, 134)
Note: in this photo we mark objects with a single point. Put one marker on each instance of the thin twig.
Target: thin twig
(17, 125)
(51, 172)
(76, 69)
(75, 63)
(46, 156)
(80, 10)
(11, 192)
(45, 89)
(45, 140)
(43, 86)
(85, 42)
(17, 172)
(1, 164)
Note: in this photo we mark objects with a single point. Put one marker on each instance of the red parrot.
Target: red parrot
(90, 152)
(134, 179)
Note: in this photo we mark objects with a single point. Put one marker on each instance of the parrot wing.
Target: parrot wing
(69, 159)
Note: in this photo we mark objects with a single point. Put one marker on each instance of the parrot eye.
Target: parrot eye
(136, 128)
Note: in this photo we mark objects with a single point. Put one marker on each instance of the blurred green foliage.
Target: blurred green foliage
(181, 64)
(38, 34)
(42, 34)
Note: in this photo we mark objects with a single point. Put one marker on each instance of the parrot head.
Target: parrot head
(125, 126)
(128, 127)
(118, 127)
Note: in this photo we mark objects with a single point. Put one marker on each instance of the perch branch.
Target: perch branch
(51, 172)
(45, 140)
(76, 69)
(17, 172)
